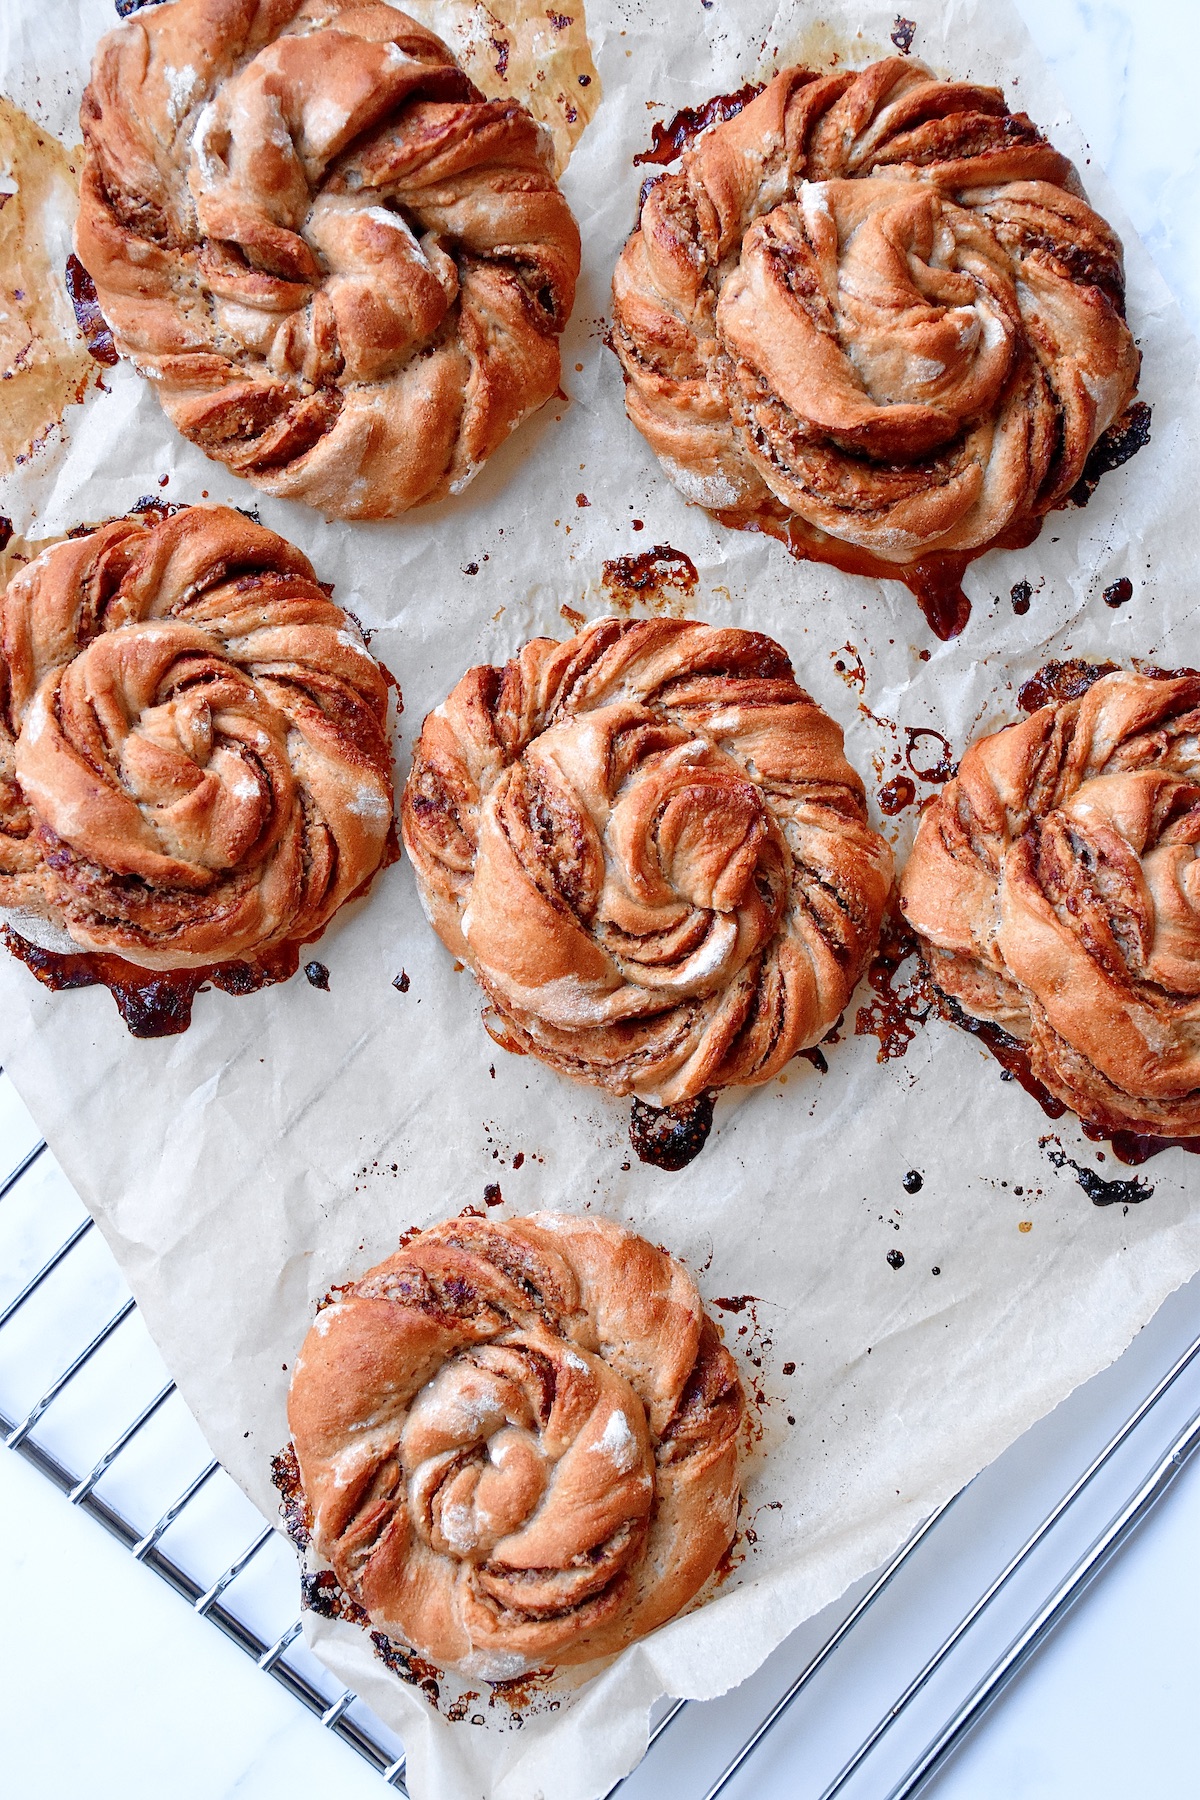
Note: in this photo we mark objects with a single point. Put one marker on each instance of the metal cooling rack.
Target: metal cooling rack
(870, 1698)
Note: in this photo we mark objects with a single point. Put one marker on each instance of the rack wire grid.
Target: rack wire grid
(871, 1697)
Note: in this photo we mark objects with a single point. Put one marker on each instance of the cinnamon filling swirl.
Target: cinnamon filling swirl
(542, 1478)
(650, 848)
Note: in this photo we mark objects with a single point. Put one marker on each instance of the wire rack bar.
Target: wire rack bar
(20, 1432)
(207, 1600)
(47, 1268)
(23, 1167)
(1006, 1671)
(923, 1677)
(1049, 1616)
(883, 1580)
(271, 1657)
(84, 1487)
(145, 1544)
(333, 1713)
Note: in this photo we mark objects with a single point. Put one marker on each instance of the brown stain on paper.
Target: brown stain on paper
(663, 580)
(44, 362)
(518, 50)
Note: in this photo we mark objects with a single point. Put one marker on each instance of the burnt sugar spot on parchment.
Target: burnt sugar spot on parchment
(1130, 1191)
(848, 663)
(416, 1670)
(904, 995)
(1057, 682)
(668, 141)
(525, 1696)
(670, 1137)
(896, 794)
(293, 1502)
(928, 754)
(663, 580)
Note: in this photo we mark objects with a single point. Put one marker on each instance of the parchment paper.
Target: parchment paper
(288, 1138)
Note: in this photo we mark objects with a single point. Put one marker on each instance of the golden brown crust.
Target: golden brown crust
(519, 1441)
(878, 299)
(194, 764)
(345, 272)
(1056, 885)
(649, 846)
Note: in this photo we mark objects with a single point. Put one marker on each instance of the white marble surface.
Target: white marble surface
(1107, 1711)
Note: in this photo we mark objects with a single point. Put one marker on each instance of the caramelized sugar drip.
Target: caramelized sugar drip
(876, 300)
(1129, 1147)
(896, 794)
(285, 1476)
(1129, 1192)
(154, 1003)
(518, 1440)
(907, 996)
(670, 1137)
(935, 582)
(669, 141)
(662, 579)
(901, 1005)
(1123, 439)
(1057, 682)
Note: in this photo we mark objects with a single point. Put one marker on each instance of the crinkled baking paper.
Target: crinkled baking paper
(290, 1137)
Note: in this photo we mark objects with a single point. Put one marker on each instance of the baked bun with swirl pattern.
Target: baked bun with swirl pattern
(194, 760)
(343, 269)
(650, 848)
(878, 302)
(518, 1441)
(1055, 885)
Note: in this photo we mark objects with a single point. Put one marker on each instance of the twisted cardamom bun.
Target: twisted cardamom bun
(518, 1441)
(880, 300)
(648, 845)
(343, 269)
(1056, 885)
(194, 764)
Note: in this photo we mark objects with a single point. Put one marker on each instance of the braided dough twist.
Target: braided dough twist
(649, 846)
(1056, 885)
(518, 1441)
(194, 762)
(881, 300)
(344, 270)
